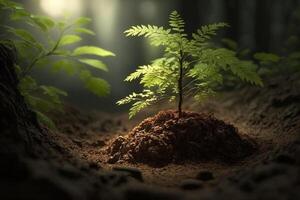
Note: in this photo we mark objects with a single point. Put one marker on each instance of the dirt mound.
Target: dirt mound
(164, 138)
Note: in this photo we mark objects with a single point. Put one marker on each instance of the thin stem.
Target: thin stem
(43, 55)
(180, 83)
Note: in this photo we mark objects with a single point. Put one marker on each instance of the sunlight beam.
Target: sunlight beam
(60, 8)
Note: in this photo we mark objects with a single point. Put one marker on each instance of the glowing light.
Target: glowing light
(105, 17)
(59, 8)
(148, 9)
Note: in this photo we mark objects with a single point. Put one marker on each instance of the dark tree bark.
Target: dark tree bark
(232, 17)
(21, 135)
(263, 24)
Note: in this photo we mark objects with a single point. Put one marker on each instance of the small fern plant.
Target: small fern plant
(43, 42)
(189, 66)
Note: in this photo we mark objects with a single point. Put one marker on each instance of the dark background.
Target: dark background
(261, 25)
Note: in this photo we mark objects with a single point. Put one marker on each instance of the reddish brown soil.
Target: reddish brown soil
(165, 139)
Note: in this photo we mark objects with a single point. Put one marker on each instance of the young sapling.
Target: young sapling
(190, 66)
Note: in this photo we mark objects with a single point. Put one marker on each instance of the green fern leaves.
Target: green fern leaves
(176, 22)
(189, 66)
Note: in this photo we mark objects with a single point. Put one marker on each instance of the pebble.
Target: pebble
(205, 176)
(191, 184)
(133, 172)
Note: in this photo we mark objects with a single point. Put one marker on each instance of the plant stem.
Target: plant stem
(180, 83)
(44, 55)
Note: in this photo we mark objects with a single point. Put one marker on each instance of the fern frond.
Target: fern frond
(162, 74)
(138, 73)
(146, 31)
(137, 107)
(176, 22)
(206, 32)
(245, 70)
(141, 101)
(206, 73)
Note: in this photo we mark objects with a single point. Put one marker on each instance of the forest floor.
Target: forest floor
(269, 116)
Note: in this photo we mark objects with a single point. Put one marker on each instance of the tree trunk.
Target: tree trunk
(233, 15)
(263, 24)
(21, 134)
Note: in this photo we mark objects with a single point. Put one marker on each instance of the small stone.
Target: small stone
(285, 159)
(191, 184)
(113, 159)
(94, 165)
(69, 172)
(98, 143)
(205, 176)
(133, 172)
(77, 142)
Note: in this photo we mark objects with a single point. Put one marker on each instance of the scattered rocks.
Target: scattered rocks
(78, 142)
(94, 165)
(205, 176)
(107, 125)
(98, 143)
(69, 172)
(135, 173)
(285, 159)
(191, 184)
(138, 192)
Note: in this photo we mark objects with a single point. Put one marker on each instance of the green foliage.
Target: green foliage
(266, 58)
(287, 61)
(91, 50)
(188, 67)
(271, 63)
(42, 41)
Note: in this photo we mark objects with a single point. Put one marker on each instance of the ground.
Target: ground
(269, 116)
(72, 163)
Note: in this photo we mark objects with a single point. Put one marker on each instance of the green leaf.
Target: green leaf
(27, 84)
(85, 31)
(65, 65)
(294, 55)
(138, 73)
(43, 119)
(53, 91)
(176, 22)
(92, 50)
(231, 44)
(245, 70)
(11, 5)
(94, 63)
(43, 22)
(53, 95)
(137, 107)
(61, 25)
(267, 57)
(69, 39)
(82, 21)
(19, 15)
(97, 86)
(40, 104)
(23, 34)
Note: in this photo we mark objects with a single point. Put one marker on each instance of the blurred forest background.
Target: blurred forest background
(260, 25)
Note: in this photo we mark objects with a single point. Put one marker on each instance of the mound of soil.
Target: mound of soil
(165, 138)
